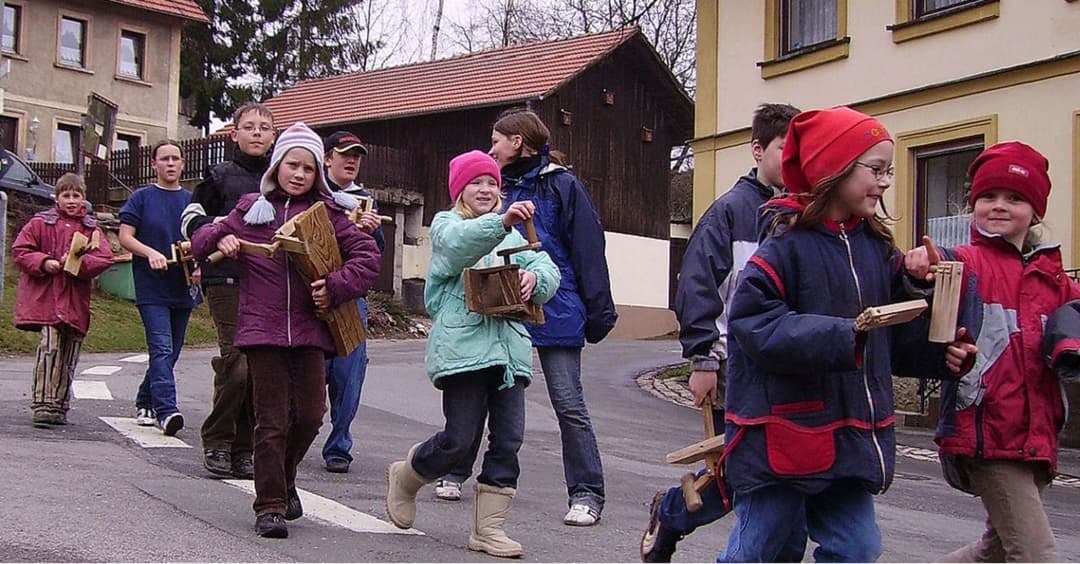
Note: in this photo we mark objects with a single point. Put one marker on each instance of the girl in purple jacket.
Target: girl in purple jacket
(277, 325)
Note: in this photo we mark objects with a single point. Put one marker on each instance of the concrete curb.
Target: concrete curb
(674, 390)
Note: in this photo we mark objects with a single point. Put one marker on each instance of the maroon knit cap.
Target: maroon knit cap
(1014, 166)
(820, 144)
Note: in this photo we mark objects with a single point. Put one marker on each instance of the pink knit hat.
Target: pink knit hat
(467, 166)
(822, 143)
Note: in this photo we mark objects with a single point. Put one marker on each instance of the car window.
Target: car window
(15, 171)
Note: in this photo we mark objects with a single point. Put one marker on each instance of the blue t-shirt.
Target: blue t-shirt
(154, 212)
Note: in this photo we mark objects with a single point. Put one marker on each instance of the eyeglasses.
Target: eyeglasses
(878, 172)
(250, 128)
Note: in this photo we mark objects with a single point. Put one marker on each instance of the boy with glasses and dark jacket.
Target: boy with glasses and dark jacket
(227, 430)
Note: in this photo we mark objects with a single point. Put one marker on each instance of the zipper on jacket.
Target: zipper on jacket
(288, 284)
(866, 379)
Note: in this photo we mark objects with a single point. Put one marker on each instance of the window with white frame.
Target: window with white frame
(126, 142)
(72, 42)
(941, 191)
(805, 23)
(66, 141)
(132, 54)
(10, 42)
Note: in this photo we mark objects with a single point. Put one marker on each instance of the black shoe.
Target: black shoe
(41, 417)
(243, 467)
(217, 461)
(658, 542)
(337, 465)
(293, 509)
(271, 526)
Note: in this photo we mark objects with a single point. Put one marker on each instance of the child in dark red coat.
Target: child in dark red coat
(998, 432)
(52, 301)
(277, 326)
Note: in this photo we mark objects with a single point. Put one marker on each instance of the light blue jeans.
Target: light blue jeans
(581, 457)
(344, 383)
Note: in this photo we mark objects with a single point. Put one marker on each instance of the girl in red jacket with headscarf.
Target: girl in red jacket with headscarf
(999, 423)
(52, 301)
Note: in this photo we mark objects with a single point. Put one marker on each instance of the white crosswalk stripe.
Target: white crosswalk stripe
(101, 371)
(146, 437)
(331, 512)
(136, 358)
(91, 390)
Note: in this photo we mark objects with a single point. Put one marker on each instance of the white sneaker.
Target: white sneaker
(447, 490)
(581, 515)
(145, 417)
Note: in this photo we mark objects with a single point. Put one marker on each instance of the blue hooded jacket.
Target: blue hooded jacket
(569, 229)
(809, 400)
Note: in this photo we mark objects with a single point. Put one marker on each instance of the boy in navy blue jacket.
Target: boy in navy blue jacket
(342, 155)
(723, 240)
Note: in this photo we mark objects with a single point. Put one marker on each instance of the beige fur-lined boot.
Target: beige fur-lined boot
(402, 484)
(488, 535)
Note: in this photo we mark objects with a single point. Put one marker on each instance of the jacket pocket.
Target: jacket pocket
(797, 451)
(463, 319)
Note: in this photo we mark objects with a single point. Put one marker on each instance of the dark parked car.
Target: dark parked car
(16, 178)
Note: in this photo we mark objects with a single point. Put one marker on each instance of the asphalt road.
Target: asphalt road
(87, 492)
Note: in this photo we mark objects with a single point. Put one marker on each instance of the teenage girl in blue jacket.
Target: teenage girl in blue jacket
(809, 419)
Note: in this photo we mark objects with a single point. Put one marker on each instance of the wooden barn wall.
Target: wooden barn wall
(435, 139)
(626, 177)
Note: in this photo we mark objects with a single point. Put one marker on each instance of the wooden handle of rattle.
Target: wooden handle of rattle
(690, 495)
(216, 256)
(530, 231)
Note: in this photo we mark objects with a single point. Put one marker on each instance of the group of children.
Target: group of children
(775, 275)
(808, 404)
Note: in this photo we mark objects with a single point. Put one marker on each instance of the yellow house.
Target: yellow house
(947, 77)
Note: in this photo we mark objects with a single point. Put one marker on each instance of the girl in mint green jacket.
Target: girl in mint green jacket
(481, 363)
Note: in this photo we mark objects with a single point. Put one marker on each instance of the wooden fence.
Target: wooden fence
(383, 167)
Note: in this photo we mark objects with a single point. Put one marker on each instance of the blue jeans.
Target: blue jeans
(164, 327)
(840, 519)
(469, 398)
(344, 382)
(581, 457)
(674, 515)
(582, 469)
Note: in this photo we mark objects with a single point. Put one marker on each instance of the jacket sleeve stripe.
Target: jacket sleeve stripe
(760, 262)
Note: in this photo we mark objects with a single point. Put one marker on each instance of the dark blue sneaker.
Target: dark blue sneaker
(658, 542)
(171, 424)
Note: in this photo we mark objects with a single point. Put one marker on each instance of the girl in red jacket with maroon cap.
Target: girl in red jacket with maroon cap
(999, 423)
(53, 301)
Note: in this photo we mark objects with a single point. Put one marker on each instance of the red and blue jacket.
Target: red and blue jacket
(1010, 406)
(809, 400)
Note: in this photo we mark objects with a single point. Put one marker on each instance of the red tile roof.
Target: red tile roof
(507, 75)
(186, 9)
